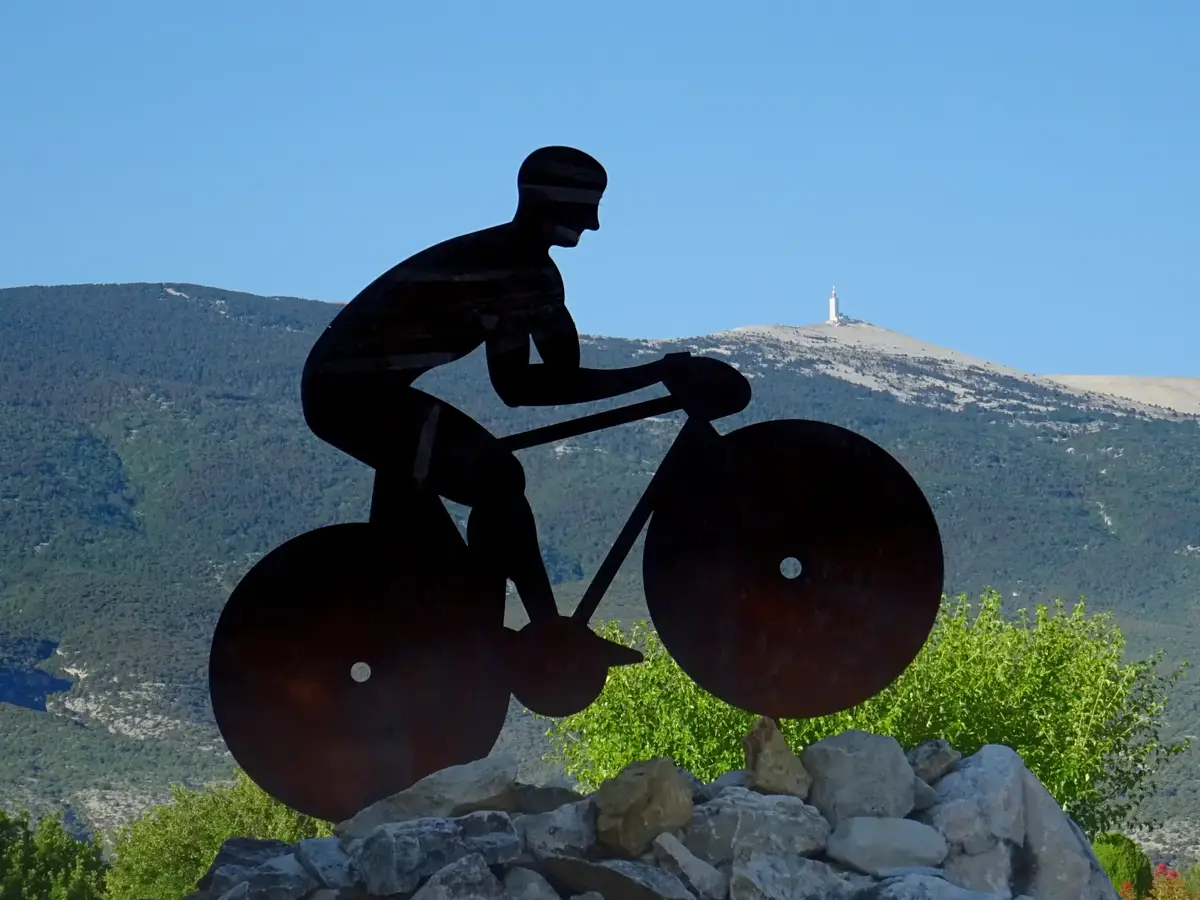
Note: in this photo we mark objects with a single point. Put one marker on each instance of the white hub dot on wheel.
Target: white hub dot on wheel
(790, 568)
(360, 672)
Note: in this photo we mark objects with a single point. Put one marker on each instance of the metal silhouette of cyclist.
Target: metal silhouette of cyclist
(497, 287)
(415, 615)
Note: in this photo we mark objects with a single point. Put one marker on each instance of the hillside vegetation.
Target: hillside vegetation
(152, 448)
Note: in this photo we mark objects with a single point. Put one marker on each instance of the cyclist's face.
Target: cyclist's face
(572, 219)
(561, 236)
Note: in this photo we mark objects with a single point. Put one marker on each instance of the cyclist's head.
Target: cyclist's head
(559, 191)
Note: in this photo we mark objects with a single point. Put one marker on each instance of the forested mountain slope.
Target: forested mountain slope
(152, 447)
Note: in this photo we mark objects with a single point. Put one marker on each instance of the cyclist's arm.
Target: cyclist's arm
(558, 380)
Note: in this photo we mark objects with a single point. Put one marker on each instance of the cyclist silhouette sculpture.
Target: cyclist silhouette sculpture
(791, 567)
(498, 287)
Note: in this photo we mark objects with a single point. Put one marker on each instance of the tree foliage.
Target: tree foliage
(169, 849)
(1053, 687)
(44, 862)
(1124, 862)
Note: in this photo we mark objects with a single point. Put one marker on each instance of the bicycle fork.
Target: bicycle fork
(691, 439)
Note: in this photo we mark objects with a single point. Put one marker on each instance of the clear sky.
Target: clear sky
(1019, 180)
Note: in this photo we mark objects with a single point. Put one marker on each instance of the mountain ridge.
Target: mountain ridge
(876, 340)
(1154, 395)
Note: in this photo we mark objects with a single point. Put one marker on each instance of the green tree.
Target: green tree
(1053, 688)
(169, 849)
(1124, 861)
(45, 863)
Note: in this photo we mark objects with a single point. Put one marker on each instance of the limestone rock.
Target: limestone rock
(732, 778)
(625, 879)
(929, 887)
(981, 801)
(901, 871)
(771, 766)
(859, 774)
(468, 878)
(698, 788)
(1102, 887)
(703, 880)
(930, 760)
(569, 830)
(873, 845)
(239, 853)
(873, 829)
(640, 803)
(923, 795)
(538, 798)
(741, 822)
(991, 870)
(1061, 867)
(397, 857)
(769, 877)
(281, 878)
(326, 861)
(486, 784)
(526, 884)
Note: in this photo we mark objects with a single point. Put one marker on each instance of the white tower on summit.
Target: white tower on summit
(835, 317)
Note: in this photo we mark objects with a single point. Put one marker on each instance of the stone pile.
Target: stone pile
(852, 817)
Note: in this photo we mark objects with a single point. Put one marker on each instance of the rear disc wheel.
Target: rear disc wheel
(352, 661)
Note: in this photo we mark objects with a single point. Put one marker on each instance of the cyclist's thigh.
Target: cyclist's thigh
(373, 419)
(467, 463)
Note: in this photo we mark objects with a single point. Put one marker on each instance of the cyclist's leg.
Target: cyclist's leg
(414, 440)
(467, 464)
(377, 420)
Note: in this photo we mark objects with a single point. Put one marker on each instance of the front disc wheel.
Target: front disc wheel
(799, 577)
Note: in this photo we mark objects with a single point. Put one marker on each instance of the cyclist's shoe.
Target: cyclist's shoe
(609, 652)
(559, 667)
(569, 642)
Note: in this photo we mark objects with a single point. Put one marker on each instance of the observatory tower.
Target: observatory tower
(835, 317)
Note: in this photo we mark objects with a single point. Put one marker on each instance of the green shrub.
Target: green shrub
(1124, 861)
(1191, 878)
(164, 854)
(1054, 689)
(46, 863)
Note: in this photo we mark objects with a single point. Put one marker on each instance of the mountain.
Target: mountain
(1178, 394)
(152, 448)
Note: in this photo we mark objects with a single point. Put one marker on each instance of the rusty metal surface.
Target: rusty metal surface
(282, 670)
(870, 581)
(356, 659)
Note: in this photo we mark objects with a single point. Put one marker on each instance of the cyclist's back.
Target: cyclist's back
(437, 307)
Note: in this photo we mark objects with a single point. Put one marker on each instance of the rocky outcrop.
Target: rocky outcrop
(851, 817)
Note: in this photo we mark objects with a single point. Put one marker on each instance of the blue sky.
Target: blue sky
(1016, 180)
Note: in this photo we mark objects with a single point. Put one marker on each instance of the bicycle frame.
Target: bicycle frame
(623, 415)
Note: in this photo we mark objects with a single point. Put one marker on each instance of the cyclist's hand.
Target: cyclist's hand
(675, 369)
(707, 388)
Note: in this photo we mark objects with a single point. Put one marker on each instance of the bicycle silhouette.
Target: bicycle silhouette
(792, 568)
